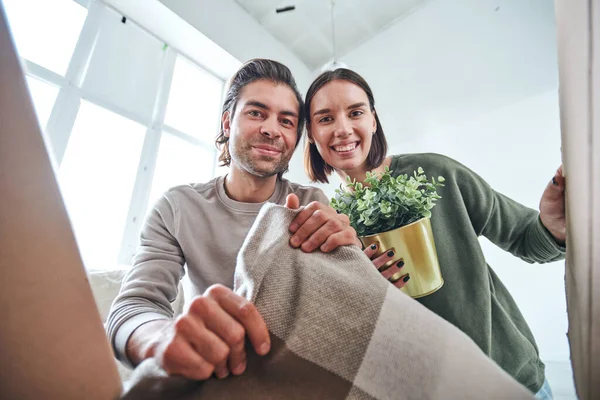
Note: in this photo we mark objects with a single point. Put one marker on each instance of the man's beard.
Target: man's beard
(262, 166)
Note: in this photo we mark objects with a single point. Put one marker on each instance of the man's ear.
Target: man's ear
(226, 123)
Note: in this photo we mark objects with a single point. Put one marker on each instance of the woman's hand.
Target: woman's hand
(389, 271)
(552, 207)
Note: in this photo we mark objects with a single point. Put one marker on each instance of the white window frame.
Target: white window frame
(66, 107)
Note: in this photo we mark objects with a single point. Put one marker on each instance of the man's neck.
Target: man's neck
(246, 188)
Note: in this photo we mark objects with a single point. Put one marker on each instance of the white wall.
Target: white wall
(232, 28)
(452, 60)
(480, 85)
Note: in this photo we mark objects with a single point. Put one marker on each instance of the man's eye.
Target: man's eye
(254, 113)
(287, 122)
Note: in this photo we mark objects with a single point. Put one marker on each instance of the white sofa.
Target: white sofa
(105, 287)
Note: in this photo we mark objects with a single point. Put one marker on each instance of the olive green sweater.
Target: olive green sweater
(473, 298)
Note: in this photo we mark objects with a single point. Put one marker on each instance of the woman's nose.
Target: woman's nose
(343, 128)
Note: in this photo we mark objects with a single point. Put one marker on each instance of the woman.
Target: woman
(346, 136)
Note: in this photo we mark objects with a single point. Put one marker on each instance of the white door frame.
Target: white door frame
(578, 30)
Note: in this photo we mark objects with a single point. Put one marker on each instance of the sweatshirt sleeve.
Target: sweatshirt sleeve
(505, 222)
(308, 194)
(319, 196)
(150, 286)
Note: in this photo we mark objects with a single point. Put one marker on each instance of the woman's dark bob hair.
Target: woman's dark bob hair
(315, 167)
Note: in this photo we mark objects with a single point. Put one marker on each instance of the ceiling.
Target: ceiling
(307, 32)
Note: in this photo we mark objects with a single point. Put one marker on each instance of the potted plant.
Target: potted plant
(395, 213)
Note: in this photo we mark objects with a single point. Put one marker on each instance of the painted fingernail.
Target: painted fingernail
(400, 264)
(374, 246)
(406, 278)
(390, 253)
(264, 349)
(554, 181)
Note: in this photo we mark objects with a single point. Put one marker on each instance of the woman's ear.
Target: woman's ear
(309, 136)
(374, 122)
(226, 123)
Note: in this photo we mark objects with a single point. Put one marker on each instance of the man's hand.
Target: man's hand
(209, 337)
(387, 272)
(552, 207)
(319, 226)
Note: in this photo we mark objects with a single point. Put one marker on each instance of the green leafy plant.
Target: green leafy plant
(385, 202)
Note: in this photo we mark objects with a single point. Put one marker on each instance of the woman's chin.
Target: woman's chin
(345, 162)
(347, 165)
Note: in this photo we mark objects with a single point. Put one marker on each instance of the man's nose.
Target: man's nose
(270, 128)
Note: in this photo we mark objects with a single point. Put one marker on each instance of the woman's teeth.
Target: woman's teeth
(346, 147)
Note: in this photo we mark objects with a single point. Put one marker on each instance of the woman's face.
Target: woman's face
(342, 124)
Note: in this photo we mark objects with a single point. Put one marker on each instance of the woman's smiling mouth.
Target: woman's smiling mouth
(345, 148)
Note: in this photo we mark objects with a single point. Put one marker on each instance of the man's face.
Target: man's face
(263, 130)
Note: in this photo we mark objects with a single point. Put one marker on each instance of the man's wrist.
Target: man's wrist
(144, 340)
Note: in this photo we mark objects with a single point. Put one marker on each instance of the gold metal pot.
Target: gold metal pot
(414, 245)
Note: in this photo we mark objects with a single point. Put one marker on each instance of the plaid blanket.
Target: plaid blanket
(339, 331)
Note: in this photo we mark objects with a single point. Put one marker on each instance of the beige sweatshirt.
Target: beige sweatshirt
(196, 229)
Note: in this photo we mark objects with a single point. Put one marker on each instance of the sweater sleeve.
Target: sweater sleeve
(505, 222)
(150, 285)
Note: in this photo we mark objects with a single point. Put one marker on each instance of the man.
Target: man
(204, 226)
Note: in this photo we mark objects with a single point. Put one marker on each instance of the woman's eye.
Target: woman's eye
(356, 113)
(325, 119)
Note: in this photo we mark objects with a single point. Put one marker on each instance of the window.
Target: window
(46, 31)
(96, 177)
(44, 96)
(194, 101)
(125, 66)
(131, 116)
(180, 162)
(187, 153)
